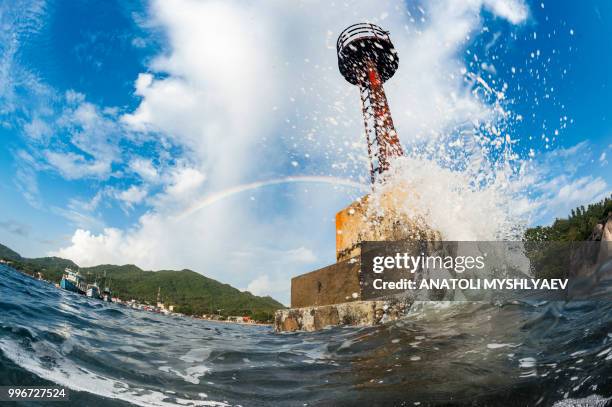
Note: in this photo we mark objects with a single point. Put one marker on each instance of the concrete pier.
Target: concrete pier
(337, 294)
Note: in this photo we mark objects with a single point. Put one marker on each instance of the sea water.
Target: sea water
(459, 353)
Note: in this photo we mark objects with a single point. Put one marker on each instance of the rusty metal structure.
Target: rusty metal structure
(367, 59)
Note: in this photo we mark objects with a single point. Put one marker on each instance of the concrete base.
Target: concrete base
(333, 284)
(357, 313)
(341, 294)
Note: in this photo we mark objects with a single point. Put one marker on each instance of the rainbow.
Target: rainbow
(306, 179)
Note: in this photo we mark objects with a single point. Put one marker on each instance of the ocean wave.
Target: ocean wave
(460, 353)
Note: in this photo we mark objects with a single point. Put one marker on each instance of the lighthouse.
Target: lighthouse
(338, 294)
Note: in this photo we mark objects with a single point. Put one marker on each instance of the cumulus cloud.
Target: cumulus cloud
(251, 92)
(557, 188)
(89, 248)
(145, 169)
(260, 285)
(131, 196)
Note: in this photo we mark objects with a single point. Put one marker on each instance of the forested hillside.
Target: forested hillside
(191, 292)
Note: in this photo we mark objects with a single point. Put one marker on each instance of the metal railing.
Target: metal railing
(361, 30)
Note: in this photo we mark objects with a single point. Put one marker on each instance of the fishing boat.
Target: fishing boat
(73, 281)
(107, 294)
(93, 291)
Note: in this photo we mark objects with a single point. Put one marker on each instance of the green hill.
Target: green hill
(550, 248)
(8, 254)
(578, 226)
(190, 292)
(193, 293)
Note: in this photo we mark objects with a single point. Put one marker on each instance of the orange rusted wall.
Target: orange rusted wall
(379, 218)
(350, 225)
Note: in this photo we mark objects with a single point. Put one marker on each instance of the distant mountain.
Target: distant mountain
(8, 254)
(190, 292)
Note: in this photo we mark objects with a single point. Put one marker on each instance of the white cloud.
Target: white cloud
(16, 82)
(585, 189)
(89, 248)
(244, 91)
(26, 178)
(145, 169)
(74, 97)
(92, 204)
(184, 182)
(90, 131)
(37, 129)
(556, 186)
(567, 194)
(139, 42)
(79, 218)
(514, 11)
(77, 140)
(75, 166)
(260, 286)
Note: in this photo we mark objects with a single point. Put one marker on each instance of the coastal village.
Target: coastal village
(72, 281)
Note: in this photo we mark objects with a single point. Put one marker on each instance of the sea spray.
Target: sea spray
(467, 181)
(448, 201)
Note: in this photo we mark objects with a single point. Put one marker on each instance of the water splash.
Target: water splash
(450, 202)
(468, 183)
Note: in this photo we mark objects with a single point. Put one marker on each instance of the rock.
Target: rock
(326, 316)
(597, 232)
(587, 257)
(290, 324)
(605, 248)
(357, 313)
(606, 233)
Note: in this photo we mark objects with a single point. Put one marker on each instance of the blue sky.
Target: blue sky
(117, 121)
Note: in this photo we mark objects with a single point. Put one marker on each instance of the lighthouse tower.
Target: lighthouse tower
(367, 59)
